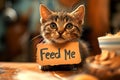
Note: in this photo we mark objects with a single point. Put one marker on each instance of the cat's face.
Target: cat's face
(61, 27)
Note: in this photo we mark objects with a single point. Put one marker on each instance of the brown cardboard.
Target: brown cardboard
(50, 54)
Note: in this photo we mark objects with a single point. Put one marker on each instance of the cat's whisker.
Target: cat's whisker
(35, 37)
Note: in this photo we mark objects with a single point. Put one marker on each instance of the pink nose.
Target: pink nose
(60, 32)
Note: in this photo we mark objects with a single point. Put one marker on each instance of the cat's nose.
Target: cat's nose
(60, 32)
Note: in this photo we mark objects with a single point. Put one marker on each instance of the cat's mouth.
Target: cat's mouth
(59, 40)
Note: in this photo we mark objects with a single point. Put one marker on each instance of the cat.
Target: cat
(61, 27)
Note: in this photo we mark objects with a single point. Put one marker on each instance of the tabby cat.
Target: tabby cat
(62, 27)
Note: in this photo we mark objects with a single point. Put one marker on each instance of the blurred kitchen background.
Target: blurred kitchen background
(19, 24)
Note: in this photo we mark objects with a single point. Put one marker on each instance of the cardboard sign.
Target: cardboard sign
(49, 54)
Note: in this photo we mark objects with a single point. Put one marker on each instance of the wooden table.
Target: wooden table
(8, 70)
(31, 71)
(26, 66)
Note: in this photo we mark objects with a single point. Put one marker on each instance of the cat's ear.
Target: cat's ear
(44, 13)
(79, 13)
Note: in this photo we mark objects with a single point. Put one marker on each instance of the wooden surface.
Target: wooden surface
(28, 66)
(7, 70)
(31, 71)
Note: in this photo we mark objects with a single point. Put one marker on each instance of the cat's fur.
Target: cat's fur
(61, 27)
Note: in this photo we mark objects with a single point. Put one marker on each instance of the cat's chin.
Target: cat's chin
(59, 41)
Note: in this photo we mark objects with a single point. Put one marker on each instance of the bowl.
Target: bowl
(111, 43)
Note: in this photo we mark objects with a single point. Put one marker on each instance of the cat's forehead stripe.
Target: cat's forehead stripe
(61, 17)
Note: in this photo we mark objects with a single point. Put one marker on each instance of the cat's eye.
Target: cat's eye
(69, 26)
(53, 25)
